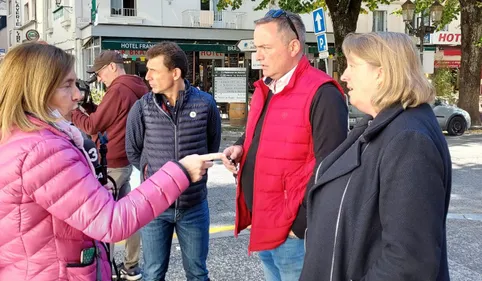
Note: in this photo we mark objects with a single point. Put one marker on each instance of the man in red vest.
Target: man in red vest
(298, 115)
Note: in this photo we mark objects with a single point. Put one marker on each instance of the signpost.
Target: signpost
(230, 84)
(322, 42)
(319, 22)
(319, 27)
(255, 64)
(32, 35)
(246, 45)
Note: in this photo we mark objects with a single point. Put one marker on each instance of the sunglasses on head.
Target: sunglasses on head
(279, 13)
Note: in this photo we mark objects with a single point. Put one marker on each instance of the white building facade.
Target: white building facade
(209, 37)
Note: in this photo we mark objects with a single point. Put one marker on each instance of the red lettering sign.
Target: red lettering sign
(447, 38)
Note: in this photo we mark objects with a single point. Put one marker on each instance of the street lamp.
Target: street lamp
(435, 16)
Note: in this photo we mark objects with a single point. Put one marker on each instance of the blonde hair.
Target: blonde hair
(404, 81)
(29, 76)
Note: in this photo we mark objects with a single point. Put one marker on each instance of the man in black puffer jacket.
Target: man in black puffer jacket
(173, 121)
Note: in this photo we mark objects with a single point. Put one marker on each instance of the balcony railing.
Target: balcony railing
(221, 19)
(123, 12)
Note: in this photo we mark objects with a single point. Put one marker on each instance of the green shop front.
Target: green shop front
(202, 57)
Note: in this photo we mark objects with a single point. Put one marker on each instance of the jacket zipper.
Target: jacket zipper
(254, 172)
(314, 183)
(338, 220)
(176, 154)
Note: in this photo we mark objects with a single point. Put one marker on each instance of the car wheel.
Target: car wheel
(457, 126)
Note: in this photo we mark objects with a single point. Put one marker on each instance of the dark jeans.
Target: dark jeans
(192, 229)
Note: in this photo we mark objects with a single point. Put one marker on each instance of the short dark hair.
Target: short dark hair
(285, 27)
(174, 56)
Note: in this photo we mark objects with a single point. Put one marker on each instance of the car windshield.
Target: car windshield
(439, 102)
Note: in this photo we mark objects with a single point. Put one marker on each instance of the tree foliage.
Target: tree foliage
(344, 15)
(443, 81)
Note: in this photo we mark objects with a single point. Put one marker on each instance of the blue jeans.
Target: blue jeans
(192, 229)
(285, 262)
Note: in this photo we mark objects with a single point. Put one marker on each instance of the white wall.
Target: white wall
(4, 38)
(161, 13)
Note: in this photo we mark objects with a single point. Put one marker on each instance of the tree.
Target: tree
(471, 62)
(344, 15)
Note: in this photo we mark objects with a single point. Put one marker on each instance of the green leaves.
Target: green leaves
(479, 43)
(296, 6)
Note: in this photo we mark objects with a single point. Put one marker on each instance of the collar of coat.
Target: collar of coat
(347, 157)
(368, 128)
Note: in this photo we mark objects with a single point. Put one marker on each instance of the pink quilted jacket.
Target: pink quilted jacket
(52, 207)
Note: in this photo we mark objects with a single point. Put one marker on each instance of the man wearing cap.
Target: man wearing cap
(110, 116)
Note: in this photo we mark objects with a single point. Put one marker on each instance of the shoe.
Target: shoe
(131, 274)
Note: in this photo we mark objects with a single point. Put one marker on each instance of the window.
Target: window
(218, 15)
(205, 5)
(10, 7)
(379, 21)
(26, 16)
(34, 9)
(125, 8)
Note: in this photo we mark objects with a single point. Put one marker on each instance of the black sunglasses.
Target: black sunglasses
(280, 12)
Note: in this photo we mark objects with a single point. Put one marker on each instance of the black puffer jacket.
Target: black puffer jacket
(154, 137)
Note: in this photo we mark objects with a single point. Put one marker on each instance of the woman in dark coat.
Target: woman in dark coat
(378, 208)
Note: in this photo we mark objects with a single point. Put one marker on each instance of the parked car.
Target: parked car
(355, 115)
(452, 119)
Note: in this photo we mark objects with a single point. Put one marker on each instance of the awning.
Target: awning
(314, 50)
(452, 51)
(187, 47)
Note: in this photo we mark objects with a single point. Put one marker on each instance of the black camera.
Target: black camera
(84, 88)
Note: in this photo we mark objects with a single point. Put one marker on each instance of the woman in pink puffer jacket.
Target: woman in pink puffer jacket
(51, 204)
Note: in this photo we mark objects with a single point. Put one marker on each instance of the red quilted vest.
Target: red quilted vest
(285, 159)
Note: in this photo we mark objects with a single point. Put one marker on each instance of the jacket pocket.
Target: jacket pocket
(82, 273)
(145, 171)
(288, 212)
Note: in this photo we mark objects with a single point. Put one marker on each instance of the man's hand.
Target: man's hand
(109, 186)
(231, 157)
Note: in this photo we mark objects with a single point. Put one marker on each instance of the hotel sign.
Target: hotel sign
(187, 47)
(446, 38)
(18, 14)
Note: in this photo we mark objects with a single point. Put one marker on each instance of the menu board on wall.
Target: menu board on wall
(232, 60)
(230, 84)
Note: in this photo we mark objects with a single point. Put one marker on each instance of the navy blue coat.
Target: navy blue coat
(378, 208)
(154, 136)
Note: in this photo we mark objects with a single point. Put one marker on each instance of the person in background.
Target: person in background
(53, 210)
(174, 120)
(379, 205)
(110, 116)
